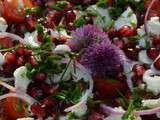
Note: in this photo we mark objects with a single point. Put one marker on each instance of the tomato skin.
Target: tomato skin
(10, 104)
(9, 10)
(107, 89)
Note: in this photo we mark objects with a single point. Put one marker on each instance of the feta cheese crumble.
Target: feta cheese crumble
(152, 81)
(153, 26)
(128, 18)
(3, 25)
(21, 80)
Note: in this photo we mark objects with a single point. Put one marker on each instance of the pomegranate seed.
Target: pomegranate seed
(127, 31)
(46, 88)
(10, 57)
(48, 102)
(112, 33)
(137, 80)
(156, 41)
(28, 53)
(31, 21)
(40, 77)
(54, 115)
(32, 61)
(138, 70)
(96, 116)
(132, 53)
(53, 19)
(21, 61)
(20, 51)
(54, 89)
(38, 110)
(8, 69)
(70, 16)
(152, 53)
(157, 64)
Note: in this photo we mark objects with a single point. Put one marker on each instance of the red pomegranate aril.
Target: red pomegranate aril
(156, 41)
(112, 33)
(157, 64)
(36, 92)
(48, 102)
(138, 70)
(54, 115)
(70, 16)
(40, 77)
(10, 57)
(54, 89)
(21, 61)
(38, 110)
(20, 51)
(132, 53)
(152, 53)
(32, 61)
(96, 116)
(127, 31)
(28, 52)
(31, 21)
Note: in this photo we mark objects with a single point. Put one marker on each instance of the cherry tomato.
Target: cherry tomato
(107, 88)
(6, 42)
(15, 108)
(13, 10)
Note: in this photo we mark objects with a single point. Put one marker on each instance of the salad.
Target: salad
(79, 59)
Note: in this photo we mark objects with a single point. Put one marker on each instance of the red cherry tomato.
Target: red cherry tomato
(13, 10)
(15, 108)
(107, 88)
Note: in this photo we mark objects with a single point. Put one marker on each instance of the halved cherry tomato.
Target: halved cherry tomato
(15, 108)
(6, 42)
(13, 10)
(107, 88)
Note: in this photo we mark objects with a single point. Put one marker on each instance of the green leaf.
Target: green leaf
(56, 8)
(59, 6)
(135, 38)
(72, 116)
(40, 28)
(102, 3)
(79, 22)
(36, 10)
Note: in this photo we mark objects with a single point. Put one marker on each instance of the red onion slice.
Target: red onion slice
(110, 110)
(13, 36)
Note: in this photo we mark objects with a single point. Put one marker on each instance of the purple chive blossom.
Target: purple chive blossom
(102, 59)
(86, 35)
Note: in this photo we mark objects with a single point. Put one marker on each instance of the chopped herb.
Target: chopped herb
(102, 3)
(135, 103)
(135, 38)
(79, 22)
(59, 6)
(71, 93)
(40, 28)
(72, 116)
(78, 7)
(36, 10)
(115, 12)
